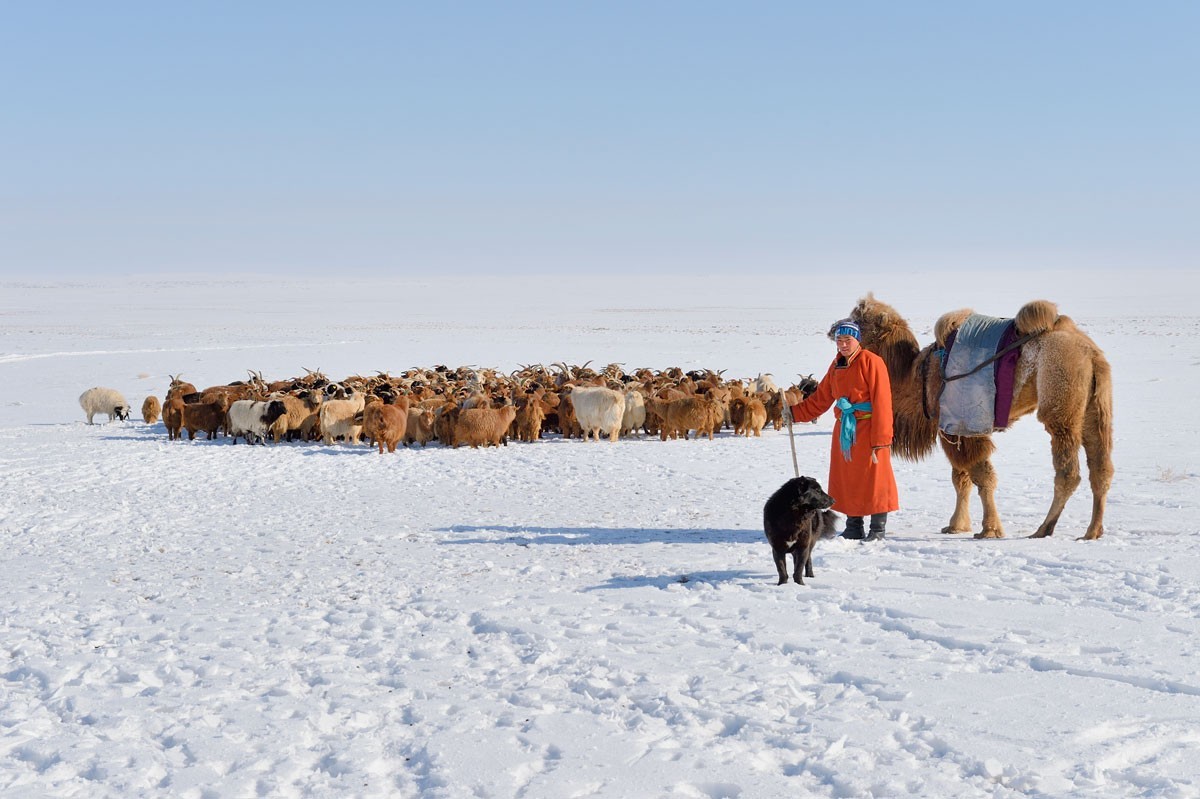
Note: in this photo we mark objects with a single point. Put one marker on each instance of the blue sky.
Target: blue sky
(561, 137)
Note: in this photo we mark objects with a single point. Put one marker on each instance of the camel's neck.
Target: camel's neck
(900, 356)
(915, 432)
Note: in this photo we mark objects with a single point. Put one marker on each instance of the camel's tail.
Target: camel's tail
(1037, 316)
(1102, 399)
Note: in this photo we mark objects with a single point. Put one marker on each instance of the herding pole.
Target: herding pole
(787, 416)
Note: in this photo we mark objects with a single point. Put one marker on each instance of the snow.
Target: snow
(560, 619)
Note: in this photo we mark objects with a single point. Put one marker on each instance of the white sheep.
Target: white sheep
(252, 419)
(104, 400)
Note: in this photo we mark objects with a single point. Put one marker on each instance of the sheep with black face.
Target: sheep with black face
(104, 400)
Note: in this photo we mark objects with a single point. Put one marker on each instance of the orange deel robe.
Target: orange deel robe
(858, 486)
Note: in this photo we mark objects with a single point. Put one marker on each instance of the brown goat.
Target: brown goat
(737, 415)
(384, 424)
(529, 420)
(773, 402)
(288, 426)
(484, 426)
(444, 423)
(310, 426)
(173, 416)
(420, 426)
(748, 415)
(179, 387)
(691, 413)
(568, 425)
(206, 416)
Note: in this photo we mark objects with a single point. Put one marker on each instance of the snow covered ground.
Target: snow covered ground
(563, 619)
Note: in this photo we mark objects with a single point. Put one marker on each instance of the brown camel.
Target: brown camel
(1061, 374)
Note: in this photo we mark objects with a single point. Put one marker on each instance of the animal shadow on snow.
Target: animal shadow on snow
(662, 582)
(523, 535)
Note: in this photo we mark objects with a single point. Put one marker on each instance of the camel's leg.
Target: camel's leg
(984, 478)
(1064, 448)
(1100, 472)
(960, 522)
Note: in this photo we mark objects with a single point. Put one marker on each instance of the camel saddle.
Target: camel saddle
(978, 371)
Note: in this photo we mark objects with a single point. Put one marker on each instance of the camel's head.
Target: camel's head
(879, 322)
(885, 333)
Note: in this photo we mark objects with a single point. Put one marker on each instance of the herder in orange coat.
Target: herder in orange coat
(860, 466)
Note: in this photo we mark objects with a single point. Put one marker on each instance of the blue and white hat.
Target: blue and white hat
(845, 327)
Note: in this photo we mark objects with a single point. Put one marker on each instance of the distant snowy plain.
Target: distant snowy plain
(560, 619)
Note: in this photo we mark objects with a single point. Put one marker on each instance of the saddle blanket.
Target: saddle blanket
(978, 404)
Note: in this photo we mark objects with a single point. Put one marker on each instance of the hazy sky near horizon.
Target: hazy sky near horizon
(541, 137)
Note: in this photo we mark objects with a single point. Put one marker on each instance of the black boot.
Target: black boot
(878, 526)
(854, 528)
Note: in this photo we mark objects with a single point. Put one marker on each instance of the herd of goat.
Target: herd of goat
(465, 406)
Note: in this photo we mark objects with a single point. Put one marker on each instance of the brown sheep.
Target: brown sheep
(483, 426)
(151, 409)
(206, 416)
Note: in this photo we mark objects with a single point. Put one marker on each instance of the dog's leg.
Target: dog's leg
(802, 553)
(780, 564)
(812, 533)
(798, 563)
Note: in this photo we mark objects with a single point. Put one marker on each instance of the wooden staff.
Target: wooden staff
(787, 416)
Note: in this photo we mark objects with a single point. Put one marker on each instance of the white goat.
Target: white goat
(764, 383)
(598, 409)
(635, 413)
(338, 418)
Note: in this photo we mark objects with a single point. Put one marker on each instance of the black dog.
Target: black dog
(794, 518)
